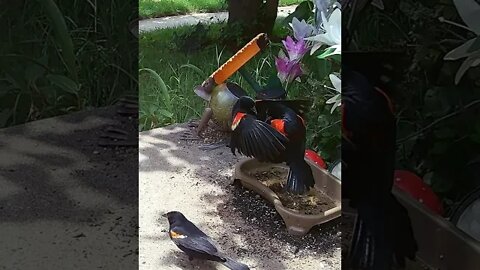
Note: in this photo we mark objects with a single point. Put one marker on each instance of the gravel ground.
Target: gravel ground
(177, 175)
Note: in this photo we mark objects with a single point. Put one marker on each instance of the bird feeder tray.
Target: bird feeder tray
(441, 245)
(297, 223)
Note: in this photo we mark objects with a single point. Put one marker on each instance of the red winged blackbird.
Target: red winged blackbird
(276, 133)
(383, 229)
(195, 243)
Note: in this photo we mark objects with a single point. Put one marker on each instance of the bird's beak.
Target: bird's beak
(164, 215)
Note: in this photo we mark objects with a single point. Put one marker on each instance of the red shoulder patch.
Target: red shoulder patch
(236, 120)
(279, 125)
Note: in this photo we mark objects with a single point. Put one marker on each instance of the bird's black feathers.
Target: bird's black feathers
(253, 137)
(274, 131)
(383, 230)
(195, 243)
(300, 107)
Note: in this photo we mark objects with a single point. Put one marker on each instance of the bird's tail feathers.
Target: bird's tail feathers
(234, 265)
(378, 238)
(300, 177)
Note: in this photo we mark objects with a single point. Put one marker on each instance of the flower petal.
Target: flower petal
(332, 99)
(461, 51)
(336, 82)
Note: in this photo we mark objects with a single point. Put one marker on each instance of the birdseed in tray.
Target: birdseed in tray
(313, 203)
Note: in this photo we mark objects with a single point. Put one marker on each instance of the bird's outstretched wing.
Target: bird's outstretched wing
(254, 138)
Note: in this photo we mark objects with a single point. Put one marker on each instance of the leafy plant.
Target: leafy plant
(55, 60)
(470, 13)
(438, 101)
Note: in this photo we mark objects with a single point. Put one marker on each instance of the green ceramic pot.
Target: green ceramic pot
(222, 99)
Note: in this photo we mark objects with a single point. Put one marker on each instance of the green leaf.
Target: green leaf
(165, 113)
(273, 82)
(324, 68)
(328, 52)
(34, 71)
(163, 88)
(21, 109)
(302, 12)
(62, 35)
(64, 83)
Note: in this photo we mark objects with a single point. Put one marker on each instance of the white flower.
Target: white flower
(333, 33)
(337, 86)
(470, 13)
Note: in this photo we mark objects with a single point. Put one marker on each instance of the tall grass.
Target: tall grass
(162, 61)
(62, 56)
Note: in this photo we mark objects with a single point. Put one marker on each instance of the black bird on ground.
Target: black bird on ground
(195, 243)
(383, 229)
(273, 131)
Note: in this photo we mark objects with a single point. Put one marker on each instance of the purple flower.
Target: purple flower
(295, 50)
(301, 29)
(287, 70)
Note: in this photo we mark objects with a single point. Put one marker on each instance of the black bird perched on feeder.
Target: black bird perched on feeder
(195, 243)
(383, 229)
(274, 131)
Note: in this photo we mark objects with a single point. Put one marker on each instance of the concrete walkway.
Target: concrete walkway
(65, 201)
(194, 18)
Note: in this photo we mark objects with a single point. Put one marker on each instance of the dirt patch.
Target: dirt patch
(312, 203)
(213, 133)
(261, 215)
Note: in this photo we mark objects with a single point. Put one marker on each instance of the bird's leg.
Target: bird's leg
(195, 136)
(207, 115)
